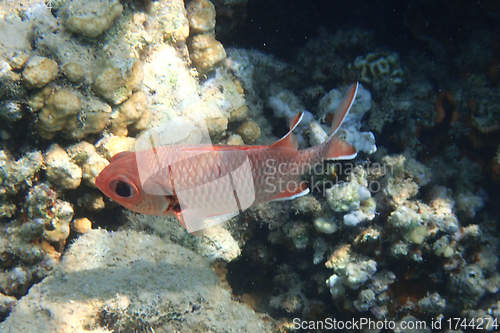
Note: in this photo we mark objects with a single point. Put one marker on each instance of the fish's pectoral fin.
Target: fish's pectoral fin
(189, 225)
(300, 191)
(340, 149)
(289, 140)
(196, 221)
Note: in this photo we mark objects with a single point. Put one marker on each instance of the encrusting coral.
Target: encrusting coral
(205, 51)
(91, 18)
(39, 71)
(131, 112)
(60, 169)
(144, 299)
(118, 78)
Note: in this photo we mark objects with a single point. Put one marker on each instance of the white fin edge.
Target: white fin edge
(301, 194)
(355, 93)
(344, 157)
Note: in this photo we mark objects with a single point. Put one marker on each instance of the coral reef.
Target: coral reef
(406, 232)
(205, 51)
(118, 78)
(92, 18)
(160, 295)
(61, 170)
(39, 71)
(378, 66)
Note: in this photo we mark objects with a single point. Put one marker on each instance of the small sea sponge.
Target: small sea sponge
(93, 118)
(216, 125)
(238, 113)
(92, 201)
(172, 20)
(74, 72)
(81, 151)
(111, 145)
(405, 218)
(377, 65)
(60, 169)
(206, 52)
(18, 59)
(39, 71)
(92, 167)
(345, 197)
(36, 100)
(249, 131)
(10, 86)
(235, 140)
(81, 225)
(91, 18)
(118, 78)
(417, 235)
(129, 112)
(326, 226)
(57, 230)
(72, 113)
(85, 155)
(201, 16)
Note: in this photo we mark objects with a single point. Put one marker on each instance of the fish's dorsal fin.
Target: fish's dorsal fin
(344, 108)
(289, 140)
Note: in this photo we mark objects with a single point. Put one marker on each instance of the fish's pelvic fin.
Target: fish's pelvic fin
(289, 141)
(339, 149)
(290, 195)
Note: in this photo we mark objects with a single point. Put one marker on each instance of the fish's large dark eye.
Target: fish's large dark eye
(123, 189)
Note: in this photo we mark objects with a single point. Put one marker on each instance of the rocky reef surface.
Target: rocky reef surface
(406, 232)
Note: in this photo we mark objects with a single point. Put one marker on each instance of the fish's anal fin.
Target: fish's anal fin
(301, 190)
(340, 149)
(289, 140)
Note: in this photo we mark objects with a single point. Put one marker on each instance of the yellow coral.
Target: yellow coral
(249, 131)
(91, 19)
(206, 52)
(131, 111)
(118, 79)
(39, 71)
(201, 16)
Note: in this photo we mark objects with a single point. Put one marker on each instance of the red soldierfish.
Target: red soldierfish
(200, 183)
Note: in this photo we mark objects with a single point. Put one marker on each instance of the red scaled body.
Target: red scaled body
(200, 182)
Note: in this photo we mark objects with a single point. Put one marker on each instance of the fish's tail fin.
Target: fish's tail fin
(337, 148)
